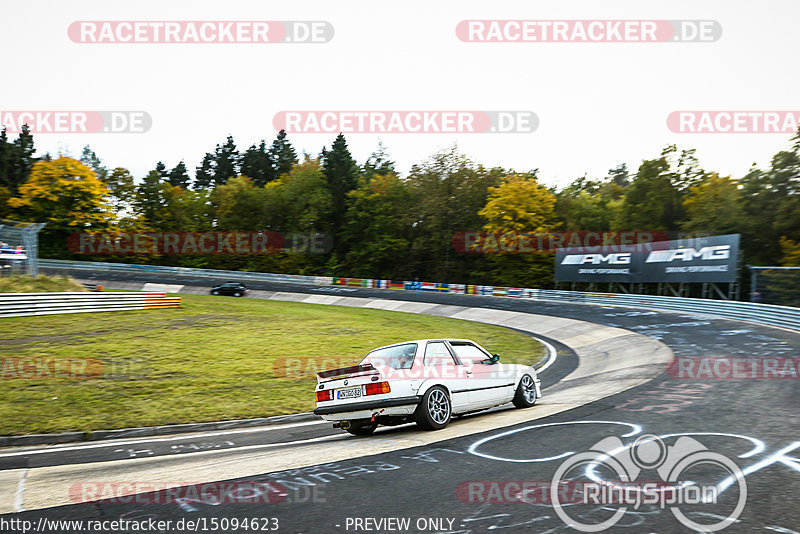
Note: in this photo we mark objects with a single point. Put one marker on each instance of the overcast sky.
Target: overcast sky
(599, 104)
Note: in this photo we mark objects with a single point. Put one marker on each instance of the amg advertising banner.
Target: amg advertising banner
(701, 259)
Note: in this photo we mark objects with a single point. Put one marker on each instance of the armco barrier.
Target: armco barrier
(767, 314)
(26, 304)
(184, 271)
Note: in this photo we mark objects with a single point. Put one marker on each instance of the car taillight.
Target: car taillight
(323, 396)
(377, 389)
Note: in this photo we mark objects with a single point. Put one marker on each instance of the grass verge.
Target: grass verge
(40, 284)
(213, 358)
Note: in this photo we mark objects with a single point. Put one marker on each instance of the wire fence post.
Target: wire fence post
(25, 236)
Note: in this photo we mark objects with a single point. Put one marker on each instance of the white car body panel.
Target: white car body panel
(471, 385)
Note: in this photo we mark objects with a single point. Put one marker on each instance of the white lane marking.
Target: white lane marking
(473, 449)
(551, 351)
(20, 490)
(166, 288)
(339, 439)
(153, 439)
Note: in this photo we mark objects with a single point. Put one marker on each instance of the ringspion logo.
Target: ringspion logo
(391, 122)
(673, 464)
(199, 31)
(588, 31)
(83, 122)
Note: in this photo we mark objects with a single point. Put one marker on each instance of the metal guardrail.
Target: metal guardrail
(27, 304)
(183, 271)
(767, 314)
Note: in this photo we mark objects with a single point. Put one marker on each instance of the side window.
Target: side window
(469, 354)
(397, 357)
(436, 353)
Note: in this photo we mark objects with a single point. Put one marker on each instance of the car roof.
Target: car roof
(421, 341)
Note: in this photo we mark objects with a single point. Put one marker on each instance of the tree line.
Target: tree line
(384, 225)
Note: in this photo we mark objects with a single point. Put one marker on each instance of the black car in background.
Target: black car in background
(237, 289)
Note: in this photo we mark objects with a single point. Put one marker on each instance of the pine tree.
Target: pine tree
(619, 175)
(341, 172)
(379, 163)
(5, 154)
(90, 159)
(227, 161)
(161, 169)
(19, 159)
(256, 164)
(282, 155)
(150, 199)
(204, 174)
(179, 176)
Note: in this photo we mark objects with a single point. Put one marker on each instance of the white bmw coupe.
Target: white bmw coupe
(426, 381)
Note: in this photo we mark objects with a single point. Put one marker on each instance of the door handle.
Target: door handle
(469, 372)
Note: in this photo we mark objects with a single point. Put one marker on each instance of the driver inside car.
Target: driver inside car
(405, 359)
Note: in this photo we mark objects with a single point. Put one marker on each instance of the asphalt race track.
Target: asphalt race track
(471, 484)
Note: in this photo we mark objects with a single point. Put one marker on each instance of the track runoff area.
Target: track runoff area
(687, 451)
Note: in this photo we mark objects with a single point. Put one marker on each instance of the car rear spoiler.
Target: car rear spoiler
(346, 371)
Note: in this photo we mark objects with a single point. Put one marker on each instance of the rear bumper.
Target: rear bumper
(368, 405)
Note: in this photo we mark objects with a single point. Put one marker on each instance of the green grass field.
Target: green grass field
(41, 284)
(213, 358)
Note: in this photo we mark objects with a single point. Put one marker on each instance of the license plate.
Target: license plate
(348, 393)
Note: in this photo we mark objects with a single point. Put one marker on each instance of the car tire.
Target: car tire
(215, 292)
(362, 429)
(526, 393)
(435, 410)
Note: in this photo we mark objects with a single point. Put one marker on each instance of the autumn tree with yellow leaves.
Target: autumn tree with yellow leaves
(520, 204)
(63, 193)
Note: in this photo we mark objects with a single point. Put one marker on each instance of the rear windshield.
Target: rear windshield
(396, 357)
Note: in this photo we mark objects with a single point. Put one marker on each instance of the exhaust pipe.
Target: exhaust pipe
(344, 425)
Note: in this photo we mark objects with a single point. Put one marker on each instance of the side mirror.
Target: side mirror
(494, 359)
